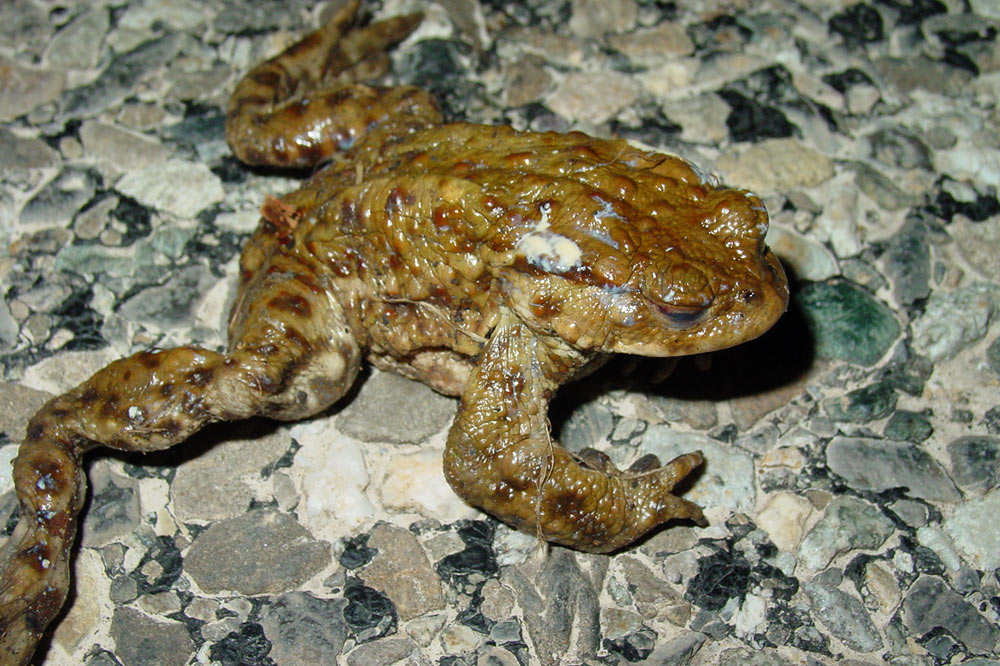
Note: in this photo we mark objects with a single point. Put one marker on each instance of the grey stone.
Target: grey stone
(921, 73)
(261, 552)
(490, 655)
(403, 572)
(898, 147)
(589, 424)
(560, 603)
(24, 153)
(390, 408)
(212, 485)
(77, 45)
(119, 78)
(17, 405)
(809, 259)
(882, 189)
(728, 479)
(843, 616)
(847, 324)
(975, 461)
(172, 303)
(954, 320)
(993, 356)
(847, 524)
(382, 652)
(679, 650)
(175, 186)
(699, 414)
(970, 527)
(875, 464)
(304, 629)
(142, 641)
(745, 656)
(930, 603)
(23, 25)
(119, 147)
(114, 508)
(56, 203)
(595, 18)
(977, 241)
(592, 97)
(907, 261)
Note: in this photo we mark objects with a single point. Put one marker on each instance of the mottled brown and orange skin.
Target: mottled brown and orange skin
(492, 264)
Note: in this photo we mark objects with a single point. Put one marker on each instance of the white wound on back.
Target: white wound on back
(547, 250)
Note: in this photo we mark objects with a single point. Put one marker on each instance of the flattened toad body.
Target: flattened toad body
(492, 264)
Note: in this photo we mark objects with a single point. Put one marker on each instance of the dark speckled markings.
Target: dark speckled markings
(489, 263)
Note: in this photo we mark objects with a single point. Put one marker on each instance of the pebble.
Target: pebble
(383, 652)
(975, 462)
(56, 203)
(214, 485)
(862, 405)
(418, 412)
(122, 149)
(969, 529)
(415, 482)
(23, 89)
(977, 241)
(930, 603)
(260, 552)
(775, 165)
(119, 78)
(304, 629)
(954, 320)
(728, 479)
(592, 97)
(846, 322)
(784, 517)
(175, 186)
(24, 152)
(402, 572)
(875, 464)
(77, 45)
(844, 616)
(847, 524)
(907, 261)
(334, 476)
(808, 259)
(139, 639)
(560, 605)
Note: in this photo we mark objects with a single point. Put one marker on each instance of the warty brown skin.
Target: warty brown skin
(489, 263)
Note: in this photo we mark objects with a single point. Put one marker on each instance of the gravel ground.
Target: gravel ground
(854, 451)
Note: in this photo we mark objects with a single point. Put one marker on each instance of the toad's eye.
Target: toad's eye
(681, 293)
(679, 317)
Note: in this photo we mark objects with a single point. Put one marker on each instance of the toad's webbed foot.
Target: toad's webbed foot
(303, 105)
(500, 456)
(293, 356)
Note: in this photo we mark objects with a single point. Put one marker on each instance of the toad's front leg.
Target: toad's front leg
(292, 356)
(501, 457)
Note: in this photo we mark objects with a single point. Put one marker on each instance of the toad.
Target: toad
(490, 263)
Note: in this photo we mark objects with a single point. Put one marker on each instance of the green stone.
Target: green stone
(862, 405)
(846, 322)
(904, 426)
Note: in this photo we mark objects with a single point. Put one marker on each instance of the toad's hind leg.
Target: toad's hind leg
(293, 356)
(305, 104)
(501, 458)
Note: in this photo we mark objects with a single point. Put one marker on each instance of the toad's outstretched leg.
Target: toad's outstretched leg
(293, 356)
(500, 456)
(304, 104)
